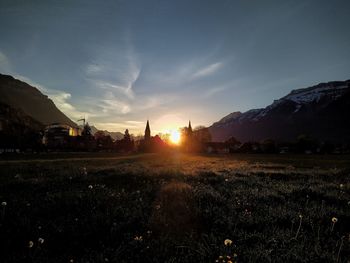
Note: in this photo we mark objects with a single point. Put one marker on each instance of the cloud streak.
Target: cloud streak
(207, 70)
(59, 97)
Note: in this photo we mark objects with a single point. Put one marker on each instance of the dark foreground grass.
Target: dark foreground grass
(175, 208)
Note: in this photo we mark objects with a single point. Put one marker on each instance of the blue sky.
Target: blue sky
(121, 62)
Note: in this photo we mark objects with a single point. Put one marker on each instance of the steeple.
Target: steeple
(147, 132)
(189, 129)
(189, 126)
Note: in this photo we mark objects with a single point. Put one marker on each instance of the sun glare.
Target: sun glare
(175, 137)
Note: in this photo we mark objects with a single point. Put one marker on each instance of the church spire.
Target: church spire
(147, 132)
(189, 129)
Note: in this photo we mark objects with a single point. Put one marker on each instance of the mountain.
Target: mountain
(20, 95)
(320, 111)
(13, 121)
(114, 135)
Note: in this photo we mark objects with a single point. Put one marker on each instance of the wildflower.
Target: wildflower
(90, 186)
(226, 180)
(300, 216)
(71, 261)
(138, 238)
(39, 227)
(106, 260)
(30, 244)
(334, 220)
(41, 240)
(149, 232)
(4, 203)
(341, 185)
(228, 242)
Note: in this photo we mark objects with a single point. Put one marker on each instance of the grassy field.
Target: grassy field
(175, 208)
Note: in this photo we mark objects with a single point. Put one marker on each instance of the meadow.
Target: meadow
(175, 207)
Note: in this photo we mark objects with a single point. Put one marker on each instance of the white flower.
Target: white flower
(41, 240)
(4, 203)
(30, 244)
(228, 242)
(90, 186)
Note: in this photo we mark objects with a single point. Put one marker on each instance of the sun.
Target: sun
(175, 137)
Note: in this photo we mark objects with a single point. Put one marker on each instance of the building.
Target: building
(57, 135)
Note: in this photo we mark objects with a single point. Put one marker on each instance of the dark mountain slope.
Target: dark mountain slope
(321, 111)
(20, 95)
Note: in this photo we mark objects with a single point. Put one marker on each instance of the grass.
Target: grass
(175, 208)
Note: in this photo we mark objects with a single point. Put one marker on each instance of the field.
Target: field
(175, 208)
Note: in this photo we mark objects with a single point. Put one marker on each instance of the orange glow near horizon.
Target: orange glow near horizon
(175, 137)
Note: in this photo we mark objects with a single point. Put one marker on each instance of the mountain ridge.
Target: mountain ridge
(292, 115)
(21, 95)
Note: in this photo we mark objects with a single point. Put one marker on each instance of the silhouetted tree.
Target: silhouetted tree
(86, 130)
(306, 143)
(268, 146)
(126, 144)
(127, 136)
(103, 141)
(201, 134)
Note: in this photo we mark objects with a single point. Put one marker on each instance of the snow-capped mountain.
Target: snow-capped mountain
(320, 111)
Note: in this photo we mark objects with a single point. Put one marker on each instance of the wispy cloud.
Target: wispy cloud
(120, 126)
(93, 69)
(207, 70)
(5, 65)
(111, 104)
(153, 101)
(210, 92)
(59, 97)
(115, 71)
(113, 88)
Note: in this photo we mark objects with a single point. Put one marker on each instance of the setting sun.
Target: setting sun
(175, 137)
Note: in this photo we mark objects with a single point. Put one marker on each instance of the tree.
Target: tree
(86, 130)
(127, 136)
(268, 146)
(306, 143)
(201, 134)
(104, 142)
(126, 144)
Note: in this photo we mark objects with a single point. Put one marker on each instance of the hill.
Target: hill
(320, 111)
(22, 96)
(114, 135)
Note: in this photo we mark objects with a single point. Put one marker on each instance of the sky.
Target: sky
(119, 63)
